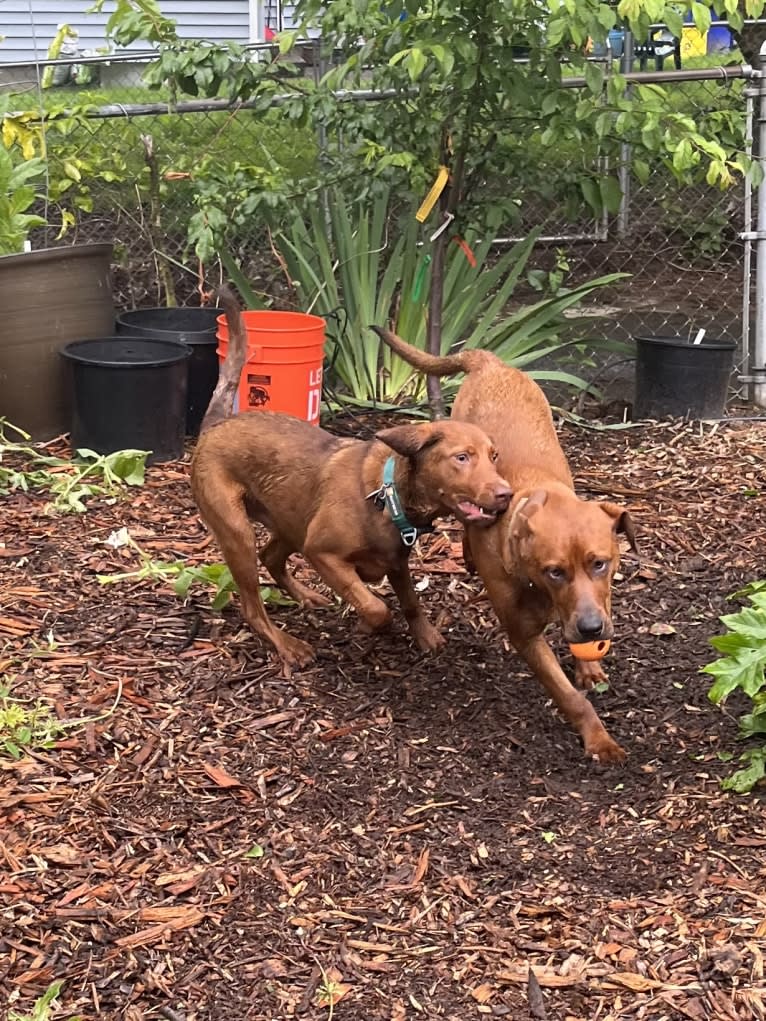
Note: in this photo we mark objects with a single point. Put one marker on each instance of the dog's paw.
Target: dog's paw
(587, 674)
(375, 617)
(313, 600)
(606, 751)
(427, 637)
(293, 652)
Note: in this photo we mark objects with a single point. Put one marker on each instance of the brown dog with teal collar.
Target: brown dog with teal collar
(353, 508)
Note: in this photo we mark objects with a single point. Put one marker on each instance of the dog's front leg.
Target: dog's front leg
(341, 576)
(427, 637)
(572, 703)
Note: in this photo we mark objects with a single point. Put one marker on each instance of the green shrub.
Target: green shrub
(742, 667)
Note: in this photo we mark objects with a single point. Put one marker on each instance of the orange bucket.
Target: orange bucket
(283, 372)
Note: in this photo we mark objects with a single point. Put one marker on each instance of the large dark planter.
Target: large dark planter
(675, 377)
(195, 327)
(48, 298)
(129, 394)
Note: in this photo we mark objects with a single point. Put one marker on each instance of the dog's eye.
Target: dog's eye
(599, 566)
(557, 574)
(462, 458)
(493, 456)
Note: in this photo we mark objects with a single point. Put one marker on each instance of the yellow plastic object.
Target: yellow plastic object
(693, 42)
(590, 651)
(430, 200)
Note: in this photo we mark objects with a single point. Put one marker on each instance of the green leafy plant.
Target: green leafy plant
(742, 667)
(28, 180)
(26, 725)
(455, 92)
(21, 174)
(70, 483)
(43, 1007)
(17, 195)
(367, 262)
(216, 576)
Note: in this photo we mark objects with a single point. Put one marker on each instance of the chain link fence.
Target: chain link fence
(681, 245)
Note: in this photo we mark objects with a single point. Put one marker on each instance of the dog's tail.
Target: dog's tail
(221, 404)
(433, 365)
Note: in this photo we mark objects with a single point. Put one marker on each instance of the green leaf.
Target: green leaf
(256, 851)
(221, 599)
(592, 194)
(745, 672)
(744, 780)
(674, 20)
(415, 62)
(183, 583)
(611, 193)
(752, 724)
(701, 16)
(128, 465)
(749, 622)
(642, 170)
(594, 77)
(30, 170)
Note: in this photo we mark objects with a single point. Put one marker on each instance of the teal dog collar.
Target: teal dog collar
(387, 498)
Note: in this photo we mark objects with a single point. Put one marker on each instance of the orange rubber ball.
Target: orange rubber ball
(590, 651)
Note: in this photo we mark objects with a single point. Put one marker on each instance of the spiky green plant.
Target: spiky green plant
(361, 265)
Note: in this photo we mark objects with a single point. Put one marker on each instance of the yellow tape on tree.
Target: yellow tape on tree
(430, 200)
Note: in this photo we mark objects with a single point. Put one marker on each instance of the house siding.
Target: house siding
(277, 16)
(28, 33)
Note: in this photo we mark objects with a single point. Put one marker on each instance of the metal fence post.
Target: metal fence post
(758, 360)
(750, 93)
(623, 216)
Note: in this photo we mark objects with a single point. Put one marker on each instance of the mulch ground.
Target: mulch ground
(387, 835)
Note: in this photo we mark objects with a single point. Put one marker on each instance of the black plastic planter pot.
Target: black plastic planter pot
(675, 377)
(193, 326)
(129, 393)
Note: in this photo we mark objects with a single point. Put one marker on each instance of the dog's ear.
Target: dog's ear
(519, 527)
(622, 522)
(409, 440)
(526, 509)
(537, 500)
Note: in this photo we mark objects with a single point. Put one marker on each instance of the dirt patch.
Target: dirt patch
(409, 833)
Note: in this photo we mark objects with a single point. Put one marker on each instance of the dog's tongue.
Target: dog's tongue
(472, 512)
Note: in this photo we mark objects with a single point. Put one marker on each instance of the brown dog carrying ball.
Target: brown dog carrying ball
(352, 507)
(551, 555)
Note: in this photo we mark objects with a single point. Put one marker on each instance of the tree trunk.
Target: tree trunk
(156, 233)
(750, 38)
(447, 206)
(434, 332)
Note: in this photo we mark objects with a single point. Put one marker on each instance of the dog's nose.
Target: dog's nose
(590, 626)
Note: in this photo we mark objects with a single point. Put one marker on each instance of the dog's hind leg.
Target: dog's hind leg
(228, 521)
(274, 558)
